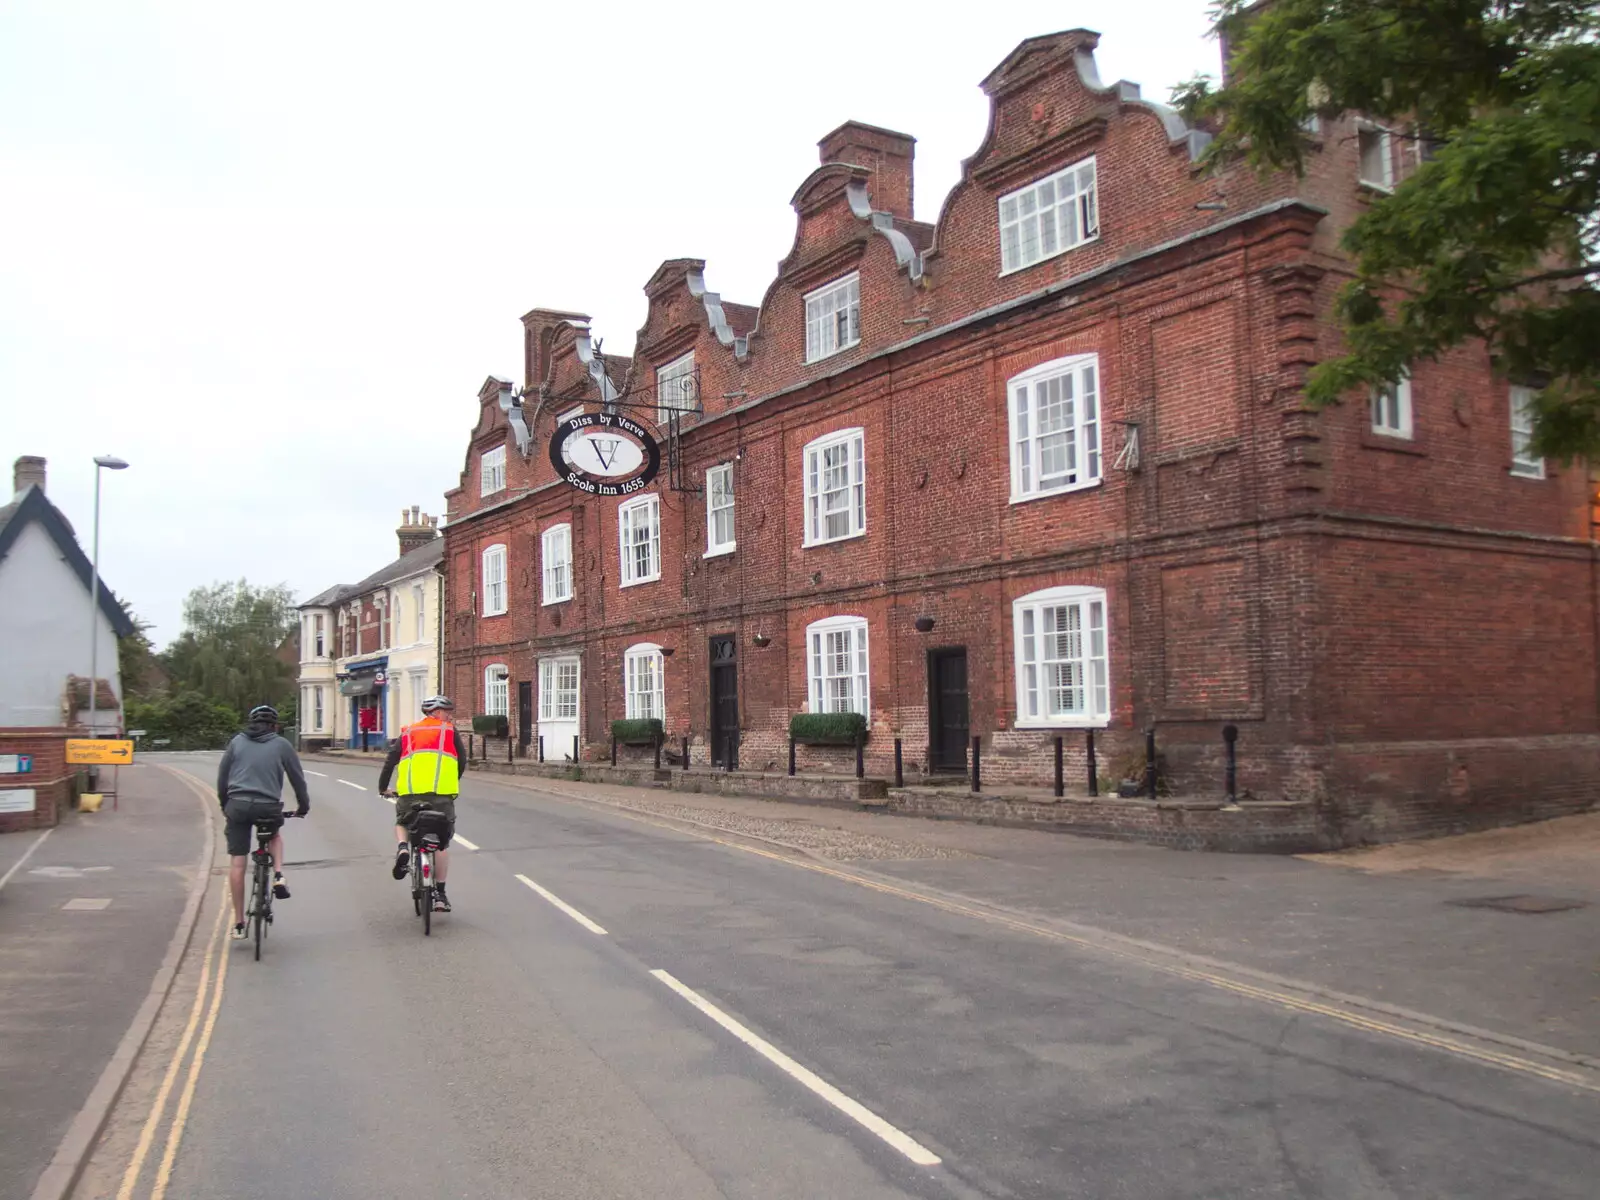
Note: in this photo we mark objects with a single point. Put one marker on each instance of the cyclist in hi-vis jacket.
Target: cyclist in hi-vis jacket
(426, 765)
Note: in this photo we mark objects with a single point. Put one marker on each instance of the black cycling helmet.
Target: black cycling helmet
(434, 704)
(263, 714)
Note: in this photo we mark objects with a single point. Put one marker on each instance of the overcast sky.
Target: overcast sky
(268, 253)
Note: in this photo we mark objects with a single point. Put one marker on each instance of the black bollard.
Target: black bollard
(1094, 772)
(977, 764)
(1230, 736)
(899, 766)
(508, 748)
(1150, 762)
(861, 762)
(574, 747)
(541, 747)
(791, 756)
(659, 739)
(1061, 785)
(613, 749)
(685, 752)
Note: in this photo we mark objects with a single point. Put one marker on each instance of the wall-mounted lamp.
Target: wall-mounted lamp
(923, 624)
(667, 651)
(761, 640)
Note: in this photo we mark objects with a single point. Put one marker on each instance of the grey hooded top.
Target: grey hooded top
(253, 767)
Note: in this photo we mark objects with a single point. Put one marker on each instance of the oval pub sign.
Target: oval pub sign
(605, 454)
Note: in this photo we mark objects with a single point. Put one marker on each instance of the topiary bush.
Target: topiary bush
(491, 726)
(638, 731)
(827, 729)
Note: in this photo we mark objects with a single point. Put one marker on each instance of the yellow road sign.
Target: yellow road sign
(98, 751)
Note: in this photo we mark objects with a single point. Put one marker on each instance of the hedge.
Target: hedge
(827, 729)
(494, 726)
(640, 731)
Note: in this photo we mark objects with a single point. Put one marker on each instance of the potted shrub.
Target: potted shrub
(828, 729)
(637, 731)
(491, 726)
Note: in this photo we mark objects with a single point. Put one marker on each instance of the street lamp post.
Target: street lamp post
(109, 462)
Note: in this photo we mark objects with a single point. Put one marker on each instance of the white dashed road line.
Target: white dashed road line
(347, 783)
(463, 841)
(856, 1111)
(318, 774)
(563, 906)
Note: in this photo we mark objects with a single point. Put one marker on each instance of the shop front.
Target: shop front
(364, 685)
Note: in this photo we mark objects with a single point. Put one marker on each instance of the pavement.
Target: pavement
(743, 999)
(84, 923)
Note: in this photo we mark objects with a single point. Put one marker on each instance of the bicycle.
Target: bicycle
(428, 829)
(260, 911)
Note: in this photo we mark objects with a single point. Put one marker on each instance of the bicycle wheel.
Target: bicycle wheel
(416, 883)
(427, 898)
(260, 907)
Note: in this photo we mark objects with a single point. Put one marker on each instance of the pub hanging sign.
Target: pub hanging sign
(605, 454)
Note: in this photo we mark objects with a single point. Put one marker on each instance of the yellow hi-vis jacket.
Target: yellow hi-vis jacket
(428, 763)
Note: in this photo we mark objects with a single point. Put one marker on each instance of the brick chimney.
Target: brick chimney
(887, 154)
(416, 529)
(28, 471)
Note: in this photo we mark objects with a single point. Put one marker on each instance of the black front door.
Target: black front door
(524, 714)
(947, 709)
(724, 701)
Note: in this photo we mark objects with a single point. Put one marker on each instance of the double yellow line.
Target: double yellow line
(152, 1124)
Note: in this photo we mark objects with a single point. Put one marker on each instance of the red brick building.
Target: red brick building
(1043, 466)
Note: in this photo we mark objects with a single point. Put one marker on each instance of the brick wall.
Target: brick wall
(1375, 616)
(50, 779)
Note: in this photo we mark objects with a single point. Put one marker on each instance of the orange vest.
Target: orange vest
(428, 763)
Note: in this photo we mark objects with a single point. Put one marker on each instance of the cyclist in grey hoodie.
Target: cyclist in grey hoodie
(250, 789)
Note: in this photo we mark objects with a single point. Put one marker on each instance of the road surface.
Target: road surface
(618, 1008)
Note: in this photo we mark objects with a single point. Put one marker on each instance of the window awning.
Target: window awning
(358, 685)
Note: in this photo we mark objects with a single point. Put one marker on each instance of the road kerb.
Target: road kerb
(61, 1175)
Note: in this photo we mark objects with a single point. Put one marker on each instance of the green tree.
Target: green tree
(228, 650)
(1496, 235)
(188, 720)
(136, 657)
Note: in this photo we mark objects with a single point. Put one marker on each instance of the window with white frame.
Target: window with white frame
(419, 605)
(833, 317)
(1523, 461)
(317, 633)
(1391, 408)
(1377, 157)
(419, 690)
(555, 557)
(836, 487)
(558, 689)
(1055, 427)
(1049, 217)
(494, 581)
(644, 682)
(497, 691)
(639, 534)
(492, 471)
(382, 609)
(1063, 672)
(836, 666)
(719, 510)
(676, 387)
(316, 709)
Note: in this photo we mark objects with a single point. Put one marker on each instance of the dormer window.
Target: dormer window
(833, 317)
(1049, 217)
(492, 471)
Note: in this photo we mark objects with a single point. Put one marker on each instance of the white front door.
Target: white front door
(558, 706)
